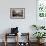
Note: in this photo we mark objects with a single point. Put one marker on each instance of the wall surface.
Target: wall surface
(23, 24)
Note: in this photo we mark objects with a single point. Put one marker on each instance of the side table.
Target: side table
(8, 34)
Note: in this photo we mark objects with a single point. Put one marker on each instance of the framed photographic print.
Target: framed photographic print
(41, 8)
(17, 13)
(41, 12)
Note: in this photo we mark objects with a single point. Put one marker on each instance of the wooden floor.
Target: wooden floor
(13, 44)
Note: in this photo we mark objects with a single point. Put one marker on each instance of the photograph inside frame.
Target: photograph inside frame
(17, 13)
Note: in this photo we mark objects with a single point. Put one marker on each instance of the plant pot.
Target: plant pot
(40, 41)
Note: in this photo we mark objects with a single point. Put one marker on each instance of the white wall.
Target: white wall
(23, 24)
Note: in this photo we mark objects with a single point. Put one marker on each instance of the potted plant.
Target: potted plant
(39, 35)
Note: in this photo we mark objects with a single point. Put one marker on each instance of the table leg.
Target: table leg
(5, 40)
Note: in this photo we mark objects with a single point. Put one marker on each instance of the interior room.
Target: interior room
(22, 22)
